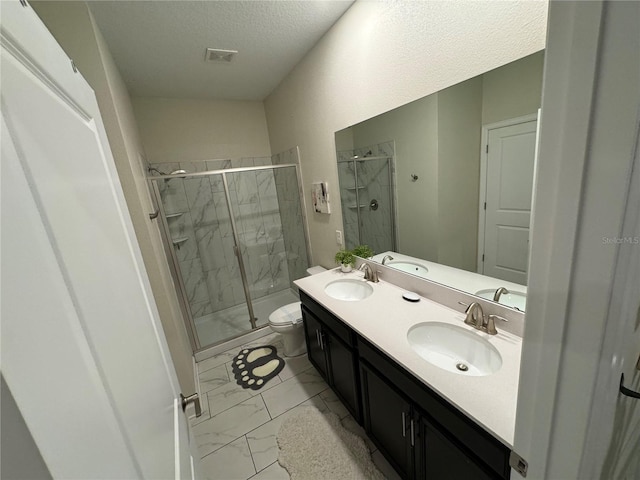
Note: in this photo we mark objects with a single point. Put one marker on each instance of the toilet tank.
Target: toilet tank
(315, 270)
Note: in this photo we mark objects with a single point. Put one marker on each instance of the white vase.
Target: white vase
(346, 267)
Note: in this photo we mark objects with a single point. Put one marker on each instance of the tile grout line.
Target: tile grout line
(265, 390)
(272, 463)
(255, 469)
(236, 404)
(235, 439)
(265, 406)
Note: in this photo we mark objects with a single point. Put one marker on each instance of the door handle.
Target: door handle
(193, 398)
(404, 425)
(321, 340)
(626, 391)
(318, 337)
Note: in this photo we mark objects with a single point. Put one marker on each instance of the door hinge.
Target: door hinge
(485, 205)
(483, 257)
(23, 3)
(518, 463)
(73, 65)
(487, 148)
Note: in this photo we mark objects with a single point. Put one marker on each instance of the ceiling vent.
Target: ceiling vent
(220, 56)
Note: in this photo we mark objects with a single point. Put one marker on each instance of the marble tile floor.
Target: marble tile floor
(236, 434)
(218, 326)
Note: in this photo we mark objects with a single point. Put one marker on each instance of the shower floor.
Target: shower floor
(233, 321)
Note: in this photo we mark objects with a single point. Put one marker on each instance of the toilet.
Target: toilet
(287, 321)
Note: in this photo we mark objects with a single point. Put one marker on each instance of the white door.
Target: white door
(83, 351)
(508, 189)
(619, 417)
(613, 443)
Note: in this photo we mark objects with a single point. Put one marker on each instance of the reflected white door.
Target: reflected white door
(509, 183)
(83, 351)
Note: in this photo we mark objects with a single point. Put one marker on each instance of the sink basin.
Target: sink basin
(409, 267)
(349, 290)
(455, 349)
(512, 299)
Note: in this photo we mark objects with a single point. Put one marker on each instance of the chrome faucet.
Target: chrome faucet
(369, 273)
(475, 318)
(499, 292)
(386, 257)
(475, 315)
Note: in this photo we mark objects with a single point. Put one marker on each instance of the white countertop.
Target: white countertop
(384, 319)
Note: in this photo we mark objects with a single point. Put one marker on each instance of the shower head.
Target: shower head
(175, 172)
(153, 169)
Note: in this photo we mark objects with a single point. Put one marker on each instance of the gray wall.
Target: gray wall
(19, 456)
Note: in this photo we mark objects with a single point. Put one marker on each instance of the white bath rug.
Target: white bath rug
(314, 446)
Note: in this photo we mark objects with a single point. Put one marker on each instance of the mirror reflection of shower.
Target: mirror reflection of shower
(367, 195)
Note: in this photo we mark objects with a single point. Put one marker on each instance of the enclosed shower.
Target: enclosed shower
(235, 238)
(367, 197)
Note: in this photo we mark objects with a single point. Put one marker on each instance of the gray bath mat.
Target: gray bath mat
(314, 445)
(254, 367)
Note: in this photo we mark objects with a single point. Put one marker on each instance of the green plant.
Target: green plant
(363, 251)
(346, 257)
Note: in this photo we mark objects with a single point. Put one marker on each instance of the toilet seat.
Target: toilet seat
(286, 315)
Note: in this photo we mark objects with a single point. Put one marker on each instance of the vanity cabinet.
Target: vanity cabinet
(441, 442)
(331, 349)
(439, 457)
(420, 433)
(313, 334)
(415, 447)
(387, 420)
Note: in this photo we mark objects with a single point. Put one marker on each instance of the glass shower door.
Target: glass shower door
(269, 226)
(196, 216)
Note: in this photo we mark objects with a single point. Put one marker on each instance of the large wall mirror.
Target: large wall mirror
(442, 187)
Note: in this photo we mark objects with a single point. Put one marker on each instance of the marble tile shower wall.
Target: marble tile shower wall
(288, 156)
(374, 182)
(198, 218)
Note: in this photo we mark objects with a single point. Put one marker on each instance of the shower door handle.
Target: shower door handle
(193, 398)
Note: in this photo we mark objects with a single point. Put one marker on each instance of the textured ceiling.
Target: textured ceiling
(159, 46)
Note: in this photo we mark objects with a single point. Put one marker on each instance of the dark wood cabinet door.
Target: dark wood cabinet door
(315, 352)
(387, 417)
(343, 373)
(441, 459)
